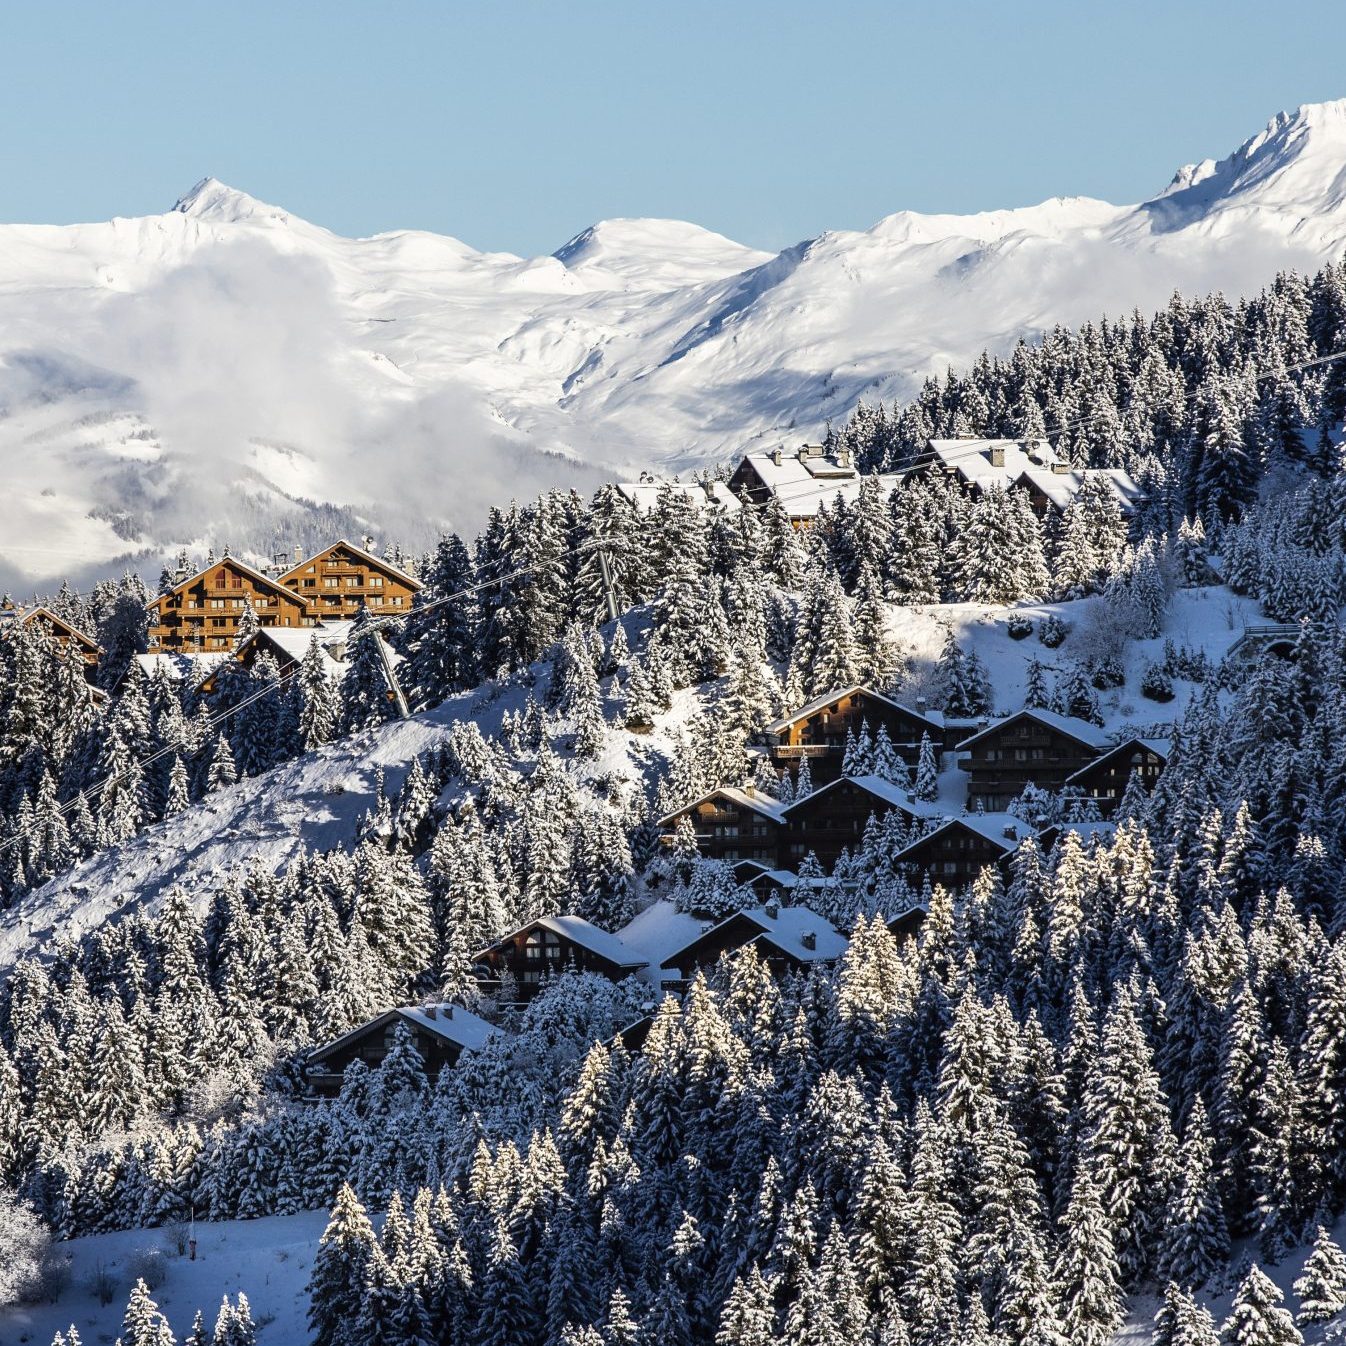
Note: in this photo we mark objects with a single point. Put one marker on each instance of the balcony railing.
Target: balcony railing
(790, 750)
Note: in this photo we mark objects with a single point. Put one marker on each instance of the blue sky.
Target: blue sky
(513, 125)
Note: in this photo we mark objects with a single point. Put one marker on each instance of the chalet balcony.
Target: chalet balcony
(793, 751)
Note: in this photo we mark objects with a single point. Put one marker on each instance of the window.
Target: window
(376, 581)
(352, 581)
(217, 602)
(397, 602)
(331, 582)
(310, 584)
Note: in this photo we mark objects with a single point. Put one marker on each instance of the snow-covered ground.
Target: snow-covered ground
(416, 380)
(268, 1260)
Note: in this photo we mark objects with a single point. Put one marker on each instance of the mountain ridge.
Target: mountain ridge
(419, 380)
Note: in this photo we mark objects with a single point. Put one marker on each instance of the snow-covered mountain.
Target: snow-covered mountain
(220, 371)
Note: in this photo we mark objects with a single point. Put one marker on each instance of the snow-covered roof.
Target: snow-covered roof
(1062, 487)
(452, 1023)
(935, 718)
(805, 479)
(972, 459)
(1159, 746)
(578, 931)
(788, 928)
(1030, 460)
(874, 785)
(1080, 730)
(294, 642)
(757, 800)
(658, 931)
(643, 496)
(994, 827)
(178, 666)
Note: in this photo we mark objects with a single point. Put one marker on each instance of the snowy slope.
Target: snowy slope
(319, 801)
(413, 379)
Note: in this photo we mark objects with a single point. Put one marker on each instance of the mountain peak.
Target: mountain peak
(1297, 161)
(211, 199)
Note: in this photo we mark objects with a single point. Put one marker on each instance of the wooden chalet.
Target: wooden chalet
(341, 579)
(818, 730)
(801, 480)
(761, 878)
(288, 646)
(833, 818)
(1105, 779)
(1032, 466)
(956, 851)
(66, 636)
(1032, 746)
(551, 945)
(731, 823)
(440, 1034)
(788, 939)
(202, 612)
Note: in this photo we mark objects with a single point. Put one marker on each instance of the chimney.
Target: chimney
(776, 454)
(998, 455)
(920, 705)
(750, 790)
(809, 939)
(298, 554)
(1062, 469)
(804, 454)
(367, 543)
(1011, 833)
(772, 907)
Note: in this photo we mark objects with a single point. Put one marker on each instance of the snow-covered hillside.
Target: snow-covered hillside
(214, 371)
(319, 800)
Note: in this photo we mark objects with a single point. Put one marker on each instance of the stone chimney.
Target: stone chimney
(809, 939)
(772, 907)
(998, 455)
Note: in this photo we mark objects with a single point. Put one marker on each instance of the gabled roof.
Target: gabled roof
(178, 666)
(756, 800)
(376, 561)
(971, 458)
(786, 931)
(262, 581)
(991, 827)
(1062, 487)
(643, 496)
(876, 786)
(1158, 746)
(578, 931)
(934, 718)
(657, 931)
(72, 631)
(1072, 726)
(802, 481)
(452, 1023)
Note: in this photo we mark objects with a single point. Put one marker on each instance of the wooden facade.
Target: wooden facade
(1030, 747)
(552, 945)
(1105, 778)
(732, 824)
(959, 849)
(343, 578)
(833, 819)
(439, 1033)
(818, 730)
(202, 613)
(67, 637)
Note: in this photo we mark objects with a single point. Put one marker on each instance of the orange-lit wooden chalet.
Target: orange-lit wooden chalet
(341, 579)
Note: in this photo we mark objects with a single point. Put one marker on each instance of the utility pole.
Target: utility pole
(389, 672)
(605, 570)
